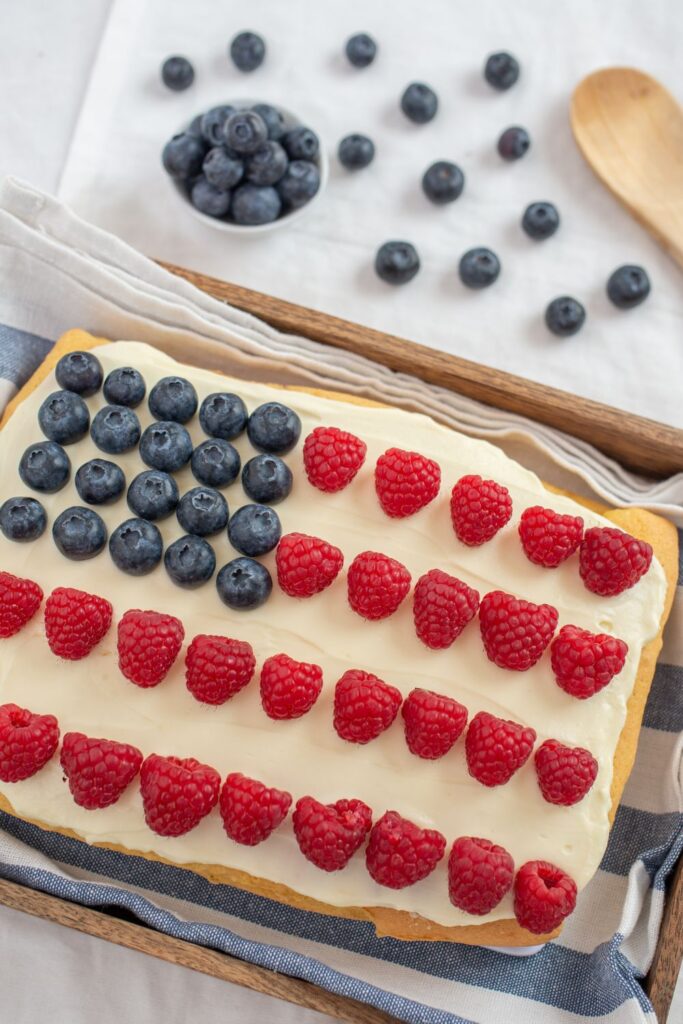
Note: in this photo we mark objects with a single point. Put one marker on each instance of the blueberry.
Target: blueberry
(153, 495)
(628, 286)
(299, 184)
(274, 427)
(267, 479)
(99, 482)
(173, 398)
(195, 126)
(136, 547)
(301, 143)
(202, 511)
(419, 103)
(177, 73)
(80, 372)
(64, 417)
(190, 561)
(222, 169)
(501, 70)
(513, 143)
(273, 118)
(115, 429)
(244, 131)
(361, 49)
(479, 268)
(254, 530)
(79, 533)
(397, 262)
(166, 445)
(215, 462)
(540, 220)
(356, 152)
(267, 164)
(125, 386)
(223, 414)
(243, 584)
(22, 519)
(565, 316)
(183, 155)
(208, 199)
(248, 51)
(443, 182)
(45, 467)
(213, 124)
(252, 205)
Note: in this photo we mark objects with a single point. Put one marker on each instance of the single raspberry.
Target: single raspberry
(376, 584)
(585, 662)
(405, 482)
(27, 742)
(400, 853)
(544, 896)
(98, 770)
(364, 706)
(496, 748)
(332, 457)
(75, 622)
(515, 632)
(149, 643)
(549, 538)
(611, 561)
(306, 565)
(432, 723)
(289, 688)
(479, 509)
(216, 667)
(565, 774)
(329, 834)
(442, 607)
(177, 793)
(20, 599)
(250, 810)
(479, 874)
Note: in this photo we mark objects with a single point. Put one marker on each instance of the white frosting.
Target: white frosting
(306, 756)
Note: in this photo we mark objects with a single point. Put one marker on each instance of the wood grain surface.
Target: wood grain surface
(666, 965)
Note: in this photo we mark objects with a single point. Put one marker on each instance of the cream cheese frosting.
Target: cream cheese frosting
(305, 756)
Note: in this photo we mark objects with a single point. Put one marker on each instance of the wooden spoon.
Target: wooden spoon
(630, 130)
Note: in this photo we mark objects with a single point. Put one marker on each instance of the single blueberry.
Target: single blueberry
(274, 427)
(115, 429)
(195, 126)
(215, 462)
(243, 584)
(80, 372)
(125, 386)
(267, 164)
(361, 49)
(252, 204)
(356, 152)
(479, 267)
(79, 533)
(136, 547)
(183, 155)
(274, 120)
(299, 184)
(443, 182)
(202, 511)
(166, 445)
(301, 143)
(64, 417)
(223, 414)
(540, 220)
(248, 51)
(628, 286)
(397, 262)
(99, 482)
(173, 398)
(208, 199)
(419, 103)
(222, 169)
(45, 467)
(501, 70)
(190, 561)
(153, 495)
(254, 530)
(213, 124)
(513, 143)
(22, 519)
(177, 73)
(244, 131)
(565, 316)
(267, 479)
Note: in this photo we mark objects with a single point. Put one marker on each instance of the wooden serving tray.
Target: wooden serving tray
(641, 444)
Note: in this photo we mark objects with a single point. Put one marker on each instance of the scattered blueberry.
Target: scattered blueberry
(540, 220)
(254, 530)
(202, 511)
(213, 124)
(443, 182)
(419, 103)
(99, 482)
(356, 152)
(177, 73)
(22, 519)
(244, 131)
(79, 533)
(513, 143)
(190, 561)
(397, 262)
(64, 417)
(183, 155)
(166, 445)
(248, 51)
(273, 118)
(173, 398)
(565, 316)
(136, 546)
(222, 169)
(115, 429)
(153, 495)
(215, 462)
(501, 70)
(252, 204)
(243, 584)
(45, 467)
(628, 286)
(479, 268)
(80, 372)
(301, 143)
(124, 386)
(267, 164)
(223, 414)
(299, 184)
(267, 479)
(361, 50)
(208, 199)
(274, 427)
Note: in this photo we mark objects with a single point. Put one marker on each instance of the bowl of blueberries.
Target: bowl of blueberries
(246, 166)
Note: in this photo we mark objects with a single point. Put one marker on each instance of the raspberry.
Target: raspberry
(75, 622)
(306, 565)
(250, 810)
(479, 509)
(216, 667)
(544, 896)
(20, 599)
(405, 482)
(376, 585)
(149, 643)
(432, 723)
(585, 662)
(549, 538)
(515, 632)
(496, 748)
(479, 874)
(27, 742)
(289, 688)
(364, 706)
(565, 774)
(399, 853)
(98, 770)
(329, 834)
(177, 793)
(442, 607)
(611, 561)
(332, 457)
